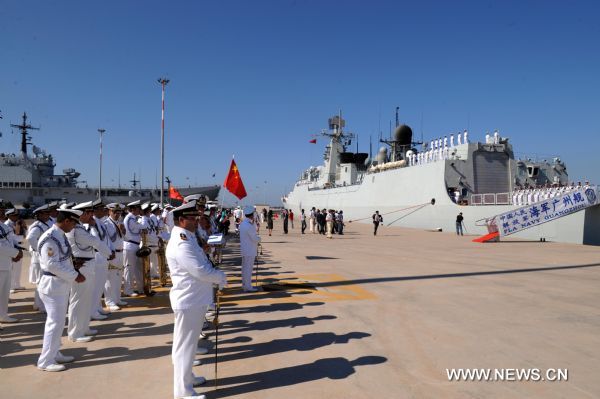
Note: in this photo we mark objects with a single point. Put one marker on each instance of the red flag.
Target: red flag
(313, 141)
(174, 194)
(233, 182)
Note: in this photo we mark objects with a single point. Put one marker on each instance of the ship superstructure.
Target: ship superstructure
(29, 179)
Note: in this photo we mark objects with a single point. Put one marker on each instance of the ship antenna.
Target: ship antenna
(397, 123)
(24, 127)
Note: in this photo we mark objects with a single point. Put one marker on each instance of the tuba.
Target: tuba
(146, 263)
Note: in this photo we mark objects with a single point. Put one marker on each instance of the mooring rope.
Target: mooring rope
(432, 202)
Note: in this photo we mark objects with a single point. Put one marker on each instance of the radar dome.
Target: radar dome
(403, 135)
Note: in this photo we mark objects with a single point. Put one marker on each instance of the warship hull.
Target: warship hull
(404, 195)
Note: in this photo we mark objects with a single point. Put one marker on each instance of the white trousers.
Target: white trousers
(329, 229)
(247, 265)
(101, 274)
(4, 292)
(80, 303)
(16, 275)
(56, 308)
(133, 272)
(35, 272)
(187, 328)
(311, 225)
(112, 288)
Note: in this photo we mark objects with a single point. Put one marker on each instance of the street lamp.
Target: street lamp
(101, 131)
(163, 82)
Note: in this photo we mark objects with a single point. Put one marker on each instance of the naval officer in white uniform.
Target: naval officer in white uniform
(114, 228)
(193, 277)
(35, 231)
(133, 274)
(58, 274)
(83, 245)
(249, 240)
(8, 254)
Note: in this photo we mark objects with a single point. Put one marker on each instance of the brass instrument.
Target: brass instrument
(146, 265)
(162, 263)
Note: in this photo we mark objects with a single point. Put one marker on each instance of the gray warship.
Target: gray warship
(425, 185)
(28, 180)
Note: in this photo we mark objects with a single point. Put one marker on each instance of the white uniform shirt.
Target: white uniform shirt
(99, 231)
(133, 230)
(7, 247)
(192, 274)
(114, 233)
(83, 243)
(249, 238)
(34, 233)
(152, 222)
(55, 258)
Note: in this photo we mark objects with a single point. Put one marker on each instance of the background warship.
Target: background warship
(426, 189)
(30, 181)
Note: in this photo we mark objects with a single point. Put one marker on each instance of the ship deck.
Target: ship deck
(367, 316)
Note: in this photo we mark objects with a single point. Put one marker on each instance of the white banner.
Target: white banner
(546, 211)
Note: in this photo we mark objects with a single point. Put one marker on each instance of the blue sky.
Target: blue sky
(257, 78)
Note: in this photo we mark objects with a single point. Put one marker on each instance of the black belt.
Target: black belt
(48, 274)
(118, 250)
(152, 246)
(80, 259)
(133, 242)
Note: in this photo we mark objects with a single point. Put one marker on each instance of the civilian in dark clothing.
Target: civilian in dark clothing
(377, 218)
(285, 217)
(459, 224)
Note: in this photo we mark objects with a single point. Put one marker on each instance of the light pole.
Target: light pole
(101, 131)
(163, 82)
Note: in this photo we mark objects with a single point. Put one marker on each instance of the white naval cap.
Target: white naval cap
(71, 213)
(83, 205)
(154, 207)
(249, 210)
(97, 203)
(43, 208)
(188, 209)
(53, 204)
(11, 211)
(145, 206)
(135, 203)
(114, 206)
(199, 198)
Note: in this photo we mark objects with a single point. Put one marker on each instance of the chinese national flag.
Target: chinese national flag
(313, 141)
(233, 182)
(174, 194)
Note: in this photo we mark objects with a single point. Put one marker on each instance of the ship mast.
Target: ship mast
(24, 127)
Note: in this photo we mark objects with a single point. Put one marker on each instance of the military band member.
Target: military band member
(97, 229)
(83, 245)
(193, 277)
(8, 254)
(37, 228)
(114, 228)
(249, 240)
(58, 274)
(133, 274)
(152, 237)
(19, 229)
